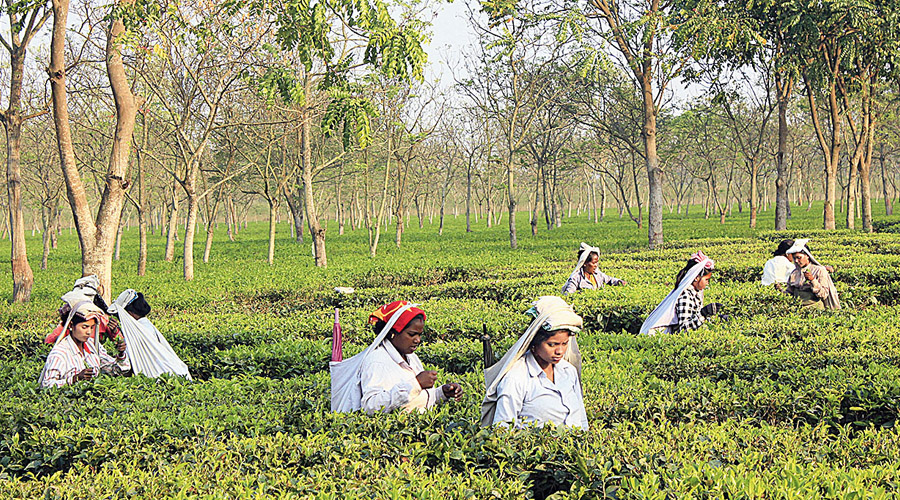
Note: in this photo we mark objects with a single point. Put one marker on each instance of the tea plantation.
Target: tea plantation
(773, 403)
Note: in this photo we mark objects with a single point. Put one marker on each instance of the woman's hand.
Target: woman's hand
(808, 275)
(120, 346)
(452, 390)
(426, 379)
(86, 374)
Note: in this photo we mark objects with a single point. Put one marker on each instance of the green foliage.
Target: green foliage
(775, 402)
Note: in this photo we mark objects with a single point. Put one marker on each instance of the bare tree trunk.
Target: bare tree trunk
(654, 172)
(306, 175)
(784, 87)
(832, 151)
(142, 199)
(96, 239)
(22, 275)
(851, 193)
(469, 197)
(754, 191)
(865, 168)
(231, 222)
(273, 209)
(211, 224)
(511, 201)
(172, 225)
(888, 201)
(47, 223)
(56, 225)
(190, 229)
(116, 254)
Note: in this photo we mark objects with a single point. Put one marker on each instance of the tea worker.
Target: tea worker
(149, 351)
(587, 274)
(538, 381)
(388, 375)
(778, 269)
(87, 288)
(683, 308)
(810, 281)
(78, 354)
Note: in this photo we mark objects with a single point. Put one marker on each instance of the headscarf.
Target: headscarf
(84, 290)
(86, 310)
(831, 301)
(585, 253)
(550, 313)
(664, 314)
(387, 311)
(799, 246)
(346, 386)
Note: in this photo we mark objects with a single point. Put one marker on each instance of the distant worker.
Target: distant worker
(78, 354)
(810, 281)
(587, 274)
(538, 381)
(389, 374)
(683, 308)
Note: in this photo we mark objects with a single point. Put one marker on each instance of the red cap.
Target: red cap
(385, 312)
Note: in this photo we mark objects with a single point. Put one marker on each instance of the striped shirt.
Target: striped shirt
(66, 360)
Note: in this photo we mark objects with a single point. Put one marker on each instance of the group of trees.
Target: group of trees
(318, 109)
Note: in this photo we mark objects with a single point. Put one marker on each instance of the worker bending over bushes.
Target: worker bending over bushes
(150, 352)
(78, 354)
(538, 381)
(810, 281)
(388, 375)
(683, 308)
(587, 275)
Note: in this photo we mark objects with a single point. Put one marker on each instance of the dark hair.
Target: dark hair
(690, 263)
(379, 325)
(581, 252)
(543, 334)
(783, 247)
(76, 319)
(99, 302)
(138, 306)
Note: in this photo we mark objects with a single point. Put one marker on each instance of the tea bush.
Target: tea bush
(772, 403)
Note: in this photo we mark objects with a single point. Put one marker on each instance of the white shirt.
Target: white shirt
(66, 360)
(777, 270)
(526, 396)
(389, 382)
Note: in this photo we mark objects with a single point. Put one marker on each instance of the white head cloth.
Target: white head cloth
(586, 251)
(148, 351)
(553, 313)
(663, 317)
(346, 386)
(84, 289)
(799, 246)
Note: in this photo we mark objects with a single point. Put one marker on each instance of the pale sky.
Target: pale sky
(452, 35)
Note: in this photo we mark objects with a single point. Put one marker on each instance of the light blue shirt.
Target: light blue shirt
(526, 396)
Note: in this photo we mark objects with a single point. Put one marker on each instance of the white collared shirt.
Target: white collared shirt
(777, 270)
(526, 396)
(389, 382)
(66, 360)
